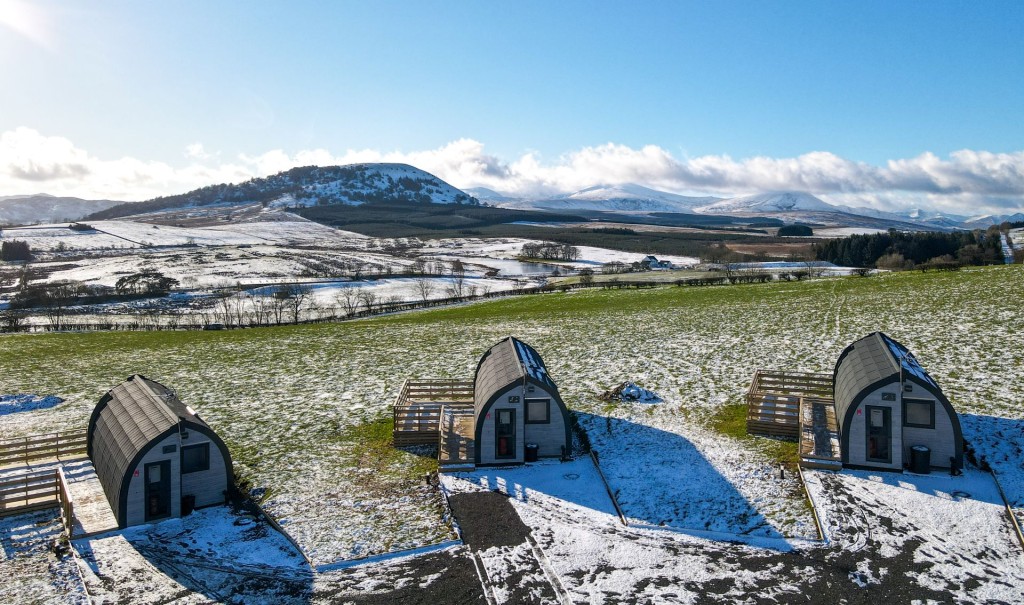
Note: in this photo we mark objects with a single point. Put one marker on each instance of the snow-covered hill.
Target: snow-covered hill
(353, 184)
(46, 208)
(786, 201)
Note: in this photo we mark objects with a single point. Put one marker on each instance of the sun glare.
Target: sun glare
(26, 19)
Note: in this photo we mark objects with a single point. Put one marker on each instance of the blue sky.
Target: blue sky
(528, 83)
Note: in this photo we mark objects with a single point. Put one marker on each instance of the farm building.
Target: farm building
(652, 262)
(517, 403)
(154, 456)
(510, 412)
(886, 404)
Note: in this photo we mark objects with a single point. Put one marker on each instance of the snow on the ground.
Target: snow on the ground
(933, 536)
(575, 484)
(845, 231)
(819, 267)
(408, 288)
(595, 558)
(221, 267)
(510, 248)
(1007, 248)
(213, 554)
(32, 573)
(667, 473)
(1017, 235)
(121, 234)
(24, 402)
(954, 528)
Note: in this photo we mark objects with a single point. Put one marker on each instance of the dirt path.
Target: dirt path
(511, 560)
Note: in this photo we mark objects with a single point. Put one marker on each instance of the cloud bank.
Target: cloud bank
(966, 182)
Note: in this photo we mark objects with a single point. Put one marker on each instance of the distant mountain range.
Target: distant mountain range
(611, 198)
(791, 206)
(358, 184)
(45, 208)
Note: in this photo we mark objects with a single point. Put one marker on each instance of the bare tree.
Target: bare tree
(419, 266)
(424, 288)
(56, 297)
(261, 309)
(348, 299)
(367, 298)
(11, 320)
(457, 285)
(294, 296)
(279, 303)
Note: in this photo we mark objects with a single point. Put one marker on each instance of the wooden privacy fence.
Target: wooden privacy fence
(37, 491)
(773, 401)
(39, 447)
(417, 410)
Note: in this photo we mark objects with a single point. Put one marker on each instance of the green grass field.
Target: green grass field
(305, 409)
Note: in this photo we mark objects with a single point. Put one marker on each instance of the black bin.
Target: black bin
(188, 504)
(531, 452)
(920, 460)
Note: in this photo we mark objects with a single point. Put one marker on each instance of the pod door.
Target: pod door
(879, 446)
(505, 434)
(158, 490)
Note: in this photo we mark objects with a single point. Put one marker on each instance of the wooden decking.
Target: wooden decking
(798, 406)
(438, 412)
(457, 440)
(77, 492)
(773, 401)
(417, 410)
(819, 434)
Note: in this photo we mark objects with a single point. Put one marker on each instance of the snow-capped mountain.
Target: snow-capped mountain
(987, 220)
(630, 194)
(786, 201)
(46, 208)
(627, 197)
(353, 184)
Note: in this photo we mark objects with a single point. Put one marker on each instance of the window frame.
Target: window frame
(916, 401)
(205, 448)
(547, 410)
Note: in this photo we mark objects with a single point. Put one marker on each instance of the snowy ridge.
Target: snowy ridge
(786, 201)
(627, 197)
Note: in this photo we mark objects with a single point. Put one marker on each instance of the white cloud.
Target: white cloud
(197, 151)
(966, 182)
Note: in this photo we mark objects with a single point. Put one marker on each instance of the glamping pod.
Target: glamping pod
(517, 404)
(889, 409)
(153, 455)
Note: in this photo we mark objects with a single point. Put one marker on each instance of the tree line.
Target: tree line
(550, 251)
(901, 250)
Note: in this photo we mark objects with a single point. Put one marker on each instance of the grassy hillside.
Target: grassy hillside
(299, 406)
